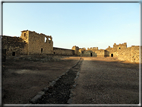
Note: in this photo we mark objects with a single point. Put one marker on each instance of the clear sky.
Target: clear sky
(81, 24)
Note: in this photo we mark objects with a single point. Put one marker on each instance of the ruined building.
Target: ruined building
(28, 43)
(32, 43)
(121, 51)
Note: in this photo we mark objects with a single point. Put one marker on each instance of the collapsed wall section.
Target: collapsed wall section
(40, 43)
(62, 51)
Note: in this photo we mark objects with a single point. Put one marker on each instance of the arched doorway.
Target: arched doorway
(111, 55)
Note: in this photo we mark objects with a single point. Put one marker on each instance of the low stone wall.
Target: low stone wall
(86, 53)
(100, 53)
(61, 51)
(94, 54)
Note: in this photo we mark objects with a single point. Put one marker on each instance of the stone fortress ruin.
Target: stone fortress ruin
(32, 43)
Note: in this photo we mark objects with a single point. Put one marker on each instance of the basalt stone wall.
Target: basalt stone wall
(3, 55)
(62, 51)
(14, 45)
(40, 43)
(135, 53)
(124, 54)
(131, 54)
(108, 51)
(86, 53)
(100, 53)
(76, 50)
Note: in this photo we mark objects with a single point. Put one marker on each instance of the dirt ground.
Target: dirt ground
(101, 80)
(107, 81)
(22, 80)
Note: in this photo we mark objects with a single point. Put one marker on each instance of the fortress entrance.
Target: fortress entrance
(111, 55)
(91, 54)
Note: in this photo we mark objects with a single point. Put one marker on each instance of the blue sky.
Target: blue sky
(81, 24)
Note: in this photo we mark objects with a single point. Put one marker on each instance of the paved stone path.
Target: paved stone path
(107, 82)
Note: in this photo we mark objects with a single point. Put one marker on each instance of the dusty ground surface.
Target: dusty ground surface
(60, 92)
(107, 81)
(22, 80)
(101, 80)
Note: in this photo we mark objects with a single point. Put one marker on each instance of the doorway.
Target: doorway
(13, 53)
(111, 55)
(41, 50)
(91, 54)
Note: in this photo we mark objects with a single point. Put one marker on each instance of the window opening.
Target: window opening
(45, 39)
(24, 34)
